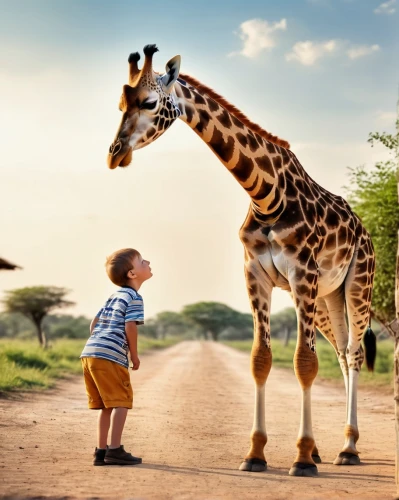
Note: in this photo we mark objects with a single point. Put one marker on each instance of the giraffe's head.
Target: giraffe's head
(148, 106)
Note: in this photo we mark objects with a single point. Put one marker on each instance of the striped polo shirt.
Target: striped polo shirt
(108, 340)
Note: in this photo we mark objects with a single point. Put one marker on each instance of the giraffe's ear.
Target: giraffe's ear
(172, 72)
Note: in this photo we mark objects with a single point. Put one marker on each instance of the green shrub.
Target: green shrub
(25, 365)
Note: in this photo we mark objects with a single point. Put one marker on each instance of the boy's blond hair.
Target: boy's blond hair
(119, 264)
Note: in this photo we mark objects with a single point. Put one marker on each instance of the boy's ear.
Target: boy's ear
(131, 274)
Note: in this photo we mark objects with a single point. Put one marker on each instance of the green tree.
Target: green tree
(149, 329)
(373, 196)
(64, 325)
(283, 323)
(171, 323)
(36, 303)
(213, 317)
(13, 325)
(241, 329)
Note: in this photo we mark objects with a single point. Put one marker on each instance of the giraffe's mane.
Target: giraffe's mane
(235, 112)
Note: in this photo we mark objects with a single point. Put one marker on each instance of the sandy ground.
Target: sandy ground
(191, 423)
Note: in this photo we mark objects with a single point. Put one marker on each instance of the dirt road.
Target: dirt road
(191, 424)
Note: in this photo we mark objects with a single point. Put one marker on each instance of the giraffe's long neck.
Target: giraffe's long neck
(256, 163)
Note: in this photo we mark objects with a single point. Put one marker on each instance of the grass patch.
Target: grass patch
(328, 364)
(25, 365)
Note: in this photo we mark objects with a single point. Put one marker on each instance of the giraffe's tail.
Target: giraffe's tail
(370, 348)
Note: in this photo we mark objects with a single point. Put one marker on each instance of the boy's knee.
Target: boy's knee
(107, 410)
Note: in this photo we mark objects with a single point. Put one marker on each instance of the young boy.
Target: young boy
(104, 357)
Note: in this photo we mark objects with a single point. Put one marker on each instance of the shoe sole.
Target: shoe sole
(99, 463)
(116, 461)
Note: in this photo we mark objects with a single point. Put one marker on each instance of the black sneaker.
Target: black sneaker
(118, 456)
(99, 456)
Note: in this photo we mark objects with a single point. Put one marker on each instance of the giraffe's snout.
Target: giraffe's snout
(119, 155)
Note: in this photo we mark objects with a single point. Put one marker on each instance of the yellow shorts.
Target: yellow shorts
(107, 384)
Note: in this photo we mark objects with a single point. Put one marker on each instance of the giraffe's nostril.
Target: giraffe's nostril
(115, 148)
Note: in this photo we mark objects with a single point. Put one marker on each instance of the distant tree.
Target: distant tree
(373, 196)
(283, 323)
(64, 325)
(171, 323)
(233, 333)
(241, 329)
(149, 329)
(36, 303)
(214, 317)
(13, 325)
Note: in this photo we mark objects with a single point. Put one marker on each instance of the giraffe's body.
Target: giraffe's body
(296, 236)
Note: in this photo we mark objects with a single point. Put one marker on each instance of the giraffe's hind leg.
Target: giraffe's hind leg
(323, 324)
(335, 304)
(358, 288)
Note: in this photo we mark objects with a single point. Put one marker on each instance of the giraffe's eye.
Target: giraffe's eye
(148, 105)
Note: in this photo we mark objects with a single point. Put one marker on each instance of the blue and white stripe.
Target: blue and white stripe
(108, 340)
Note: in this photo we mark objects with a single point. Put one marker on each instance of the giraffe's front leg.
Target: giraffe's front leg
(259, 289)
(306, 367)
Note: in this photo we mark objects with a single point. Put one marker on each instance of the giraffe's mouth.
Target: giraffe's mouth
(119, 156)
(127, 159)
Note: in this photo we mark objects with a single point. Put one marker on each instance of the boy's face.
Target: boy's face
(141, 268)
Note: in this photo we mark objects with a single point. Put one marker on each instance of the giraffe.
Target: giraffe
(296, 236)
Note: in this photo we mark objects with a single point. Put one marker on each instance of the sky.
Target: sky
(321, 74)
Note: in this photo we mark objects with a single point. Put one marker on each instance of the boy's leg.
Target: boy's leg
(118, 423)
(116, 454)
(104, 420)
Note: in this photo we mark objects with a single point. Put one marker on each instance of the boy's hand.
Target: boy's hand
(136, 363)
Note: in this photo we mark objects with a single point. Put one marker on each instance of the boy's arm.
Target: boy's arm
(131, 336)
(93, 324)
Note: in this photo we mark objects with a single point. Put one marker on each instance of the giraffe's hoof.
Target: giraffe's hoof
(345, 458)
(316, 459)
(306, 470)
(253, 465)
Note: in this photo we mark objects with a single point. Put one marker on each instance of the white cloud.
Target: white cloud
(362, 50)
(308, 52)
(386, 8)
(258, 35)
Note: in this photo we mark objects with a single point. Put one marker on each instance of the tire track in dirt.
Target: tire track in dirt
(191, 422)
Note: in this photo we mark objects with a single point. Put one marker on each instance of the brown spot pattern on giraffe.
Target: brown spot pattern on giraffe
(222, 148)
(239, 116)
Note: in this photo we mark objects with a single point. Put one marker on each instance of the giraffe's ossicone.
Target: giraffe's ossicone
(297, 236)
